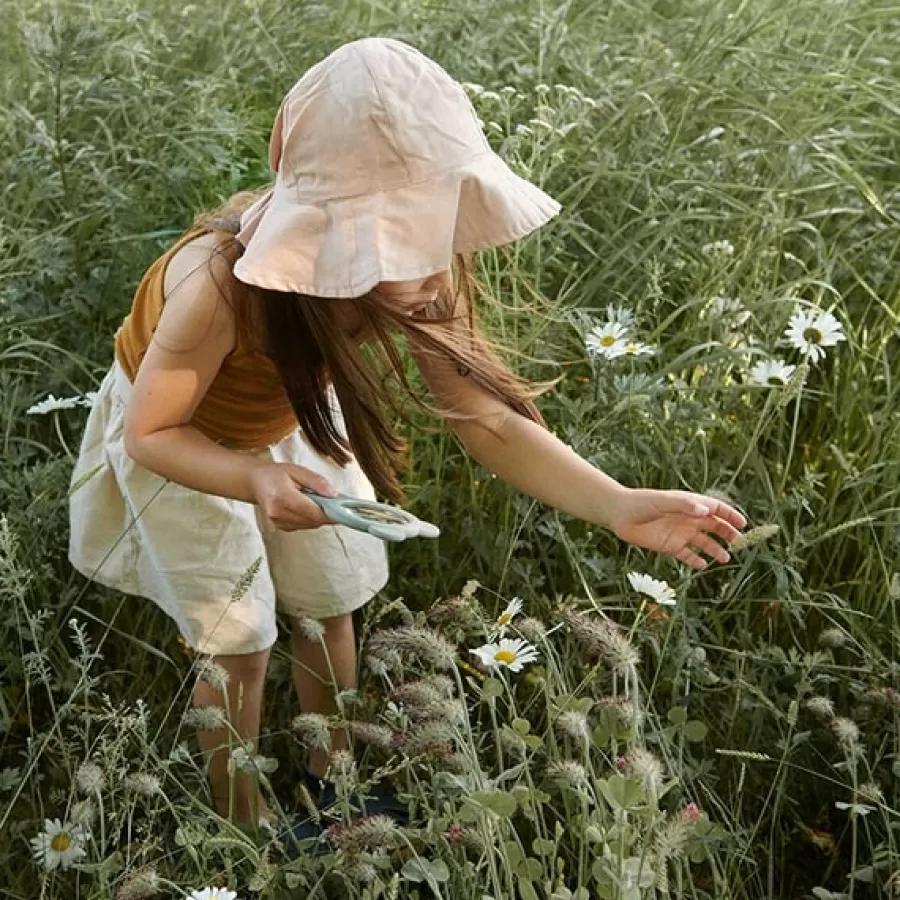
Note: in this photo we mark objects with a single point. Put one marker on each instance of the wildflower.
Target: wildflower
(469, 588)
(533, 630)
(811, 332)
(856, 809)
(427, 698)
(423, 643)
(730, 310)
(821, 707)
(691, 813)
(644, 767)
(846, 731)
(360, 871)
(212, 674)
(508, 653)
(372, 734)
(59, 845)
(601, 638)
(568, 773)
(142, 885)
(212, 893)
(83, 813)
(368, 833)
(574, 724)
(52, 404)
(627, 712)
(754, 536)
(656, 590)
(435, 738)
(833, 638)
(620, 315)
(636, 348)
(465, 837)
(206, 718)
(606, 340)
(870, 792)
(311, 629)
(513, 608)
(252, 763)
(771, 373)
(90, 778)
(313, 731)
(716, 248)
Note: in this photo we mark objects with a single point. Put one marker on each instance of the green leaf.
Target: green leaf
(499, 802)
(622, 793)
(677, 715)
(491, 689)
(542, 847)
(514, 854)
(521, 726)
(419, 869)
(601, 737)
(695, 730)
(526, 890)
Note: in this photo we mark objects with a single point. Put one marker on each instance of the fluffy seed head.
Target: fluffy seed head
(423, 643)
(464, 612)
(212, 674)
(90, 778)
(532, 629)
(754, 536)
(312, 629)
(342, 767)
(628, 713)
(644, 767)
(435, 738)
(372, 734)
(84, 813)
(846, 731)
(206, 718)
(574, 724)
(568, 773)
(313, 731)
(141, 885)
(821, 707)
(143, 783)
(369, 833)
(602, 639)
(832, 638)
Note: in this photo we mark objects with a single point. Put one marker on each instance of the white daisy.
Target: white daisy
(53, 404)
(860, 809)
(513, 608)
(507, 653)
(656, 590)
(606, 340)
(212, 893)
(771, 372)
(59, 846)
(810, 332)
(725, 248)
(636, 348)
(730, 308)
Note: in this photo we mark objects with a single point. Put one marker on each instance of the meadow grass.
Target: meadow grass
(719, 164)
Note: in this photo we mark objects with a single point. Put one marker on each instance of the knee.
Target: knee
(246, 668)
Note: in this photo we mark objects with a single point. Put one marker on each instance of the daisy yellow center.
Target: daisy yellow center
(504, 619)
(812, 335)
(607, 340)
(60, 842)
(505, 656)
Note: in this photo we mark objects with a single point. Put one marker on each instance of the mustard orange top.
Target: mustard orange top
(246, 406)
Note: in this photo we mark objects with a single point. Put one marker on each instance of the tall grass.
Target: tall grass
(770, 692)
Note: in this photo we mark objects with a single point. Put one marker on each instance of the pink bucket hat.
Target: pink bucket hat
(382, 174)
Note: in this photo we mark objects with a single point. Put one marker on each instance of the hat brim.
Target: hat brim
(346, 247)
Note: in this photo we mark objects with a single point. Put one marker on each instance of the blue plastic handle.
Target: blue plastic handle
(342, 509)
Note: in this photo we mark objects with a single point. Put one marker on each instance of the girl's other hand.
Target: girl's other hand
(278, 491)
(678, 523)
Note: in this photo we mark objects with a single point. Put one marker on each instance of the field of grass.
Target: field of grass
(722, 165)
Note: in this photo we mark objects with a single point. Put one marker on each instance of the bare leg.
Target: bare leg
(321, 669)
(245, 689)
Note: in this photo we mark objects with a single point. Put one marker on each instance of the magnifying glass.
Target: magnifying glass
(389, 523)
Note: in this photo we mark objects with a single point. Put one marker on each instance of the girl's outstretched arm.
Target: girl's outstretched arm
(530, 458)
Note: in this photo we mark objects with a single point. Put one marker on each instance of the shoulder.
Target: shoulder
(199, 290)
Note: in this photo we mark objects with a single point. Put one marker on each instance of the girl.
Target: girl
(252, 365)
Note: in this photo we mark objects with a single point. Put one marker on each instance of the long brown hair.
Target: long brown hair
(312, 350)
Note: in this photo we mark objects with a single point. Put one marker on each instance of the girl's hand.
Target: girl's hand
(278, 490)
(678, 523)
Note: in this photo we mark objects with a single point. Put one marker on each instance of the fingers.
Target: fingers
(689, 558)
(306, 478)
(725, 512)
(723, 529)
(711, 548)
